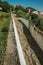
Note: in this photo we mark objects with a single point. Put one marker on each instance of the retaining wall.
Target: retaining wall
(35, 34)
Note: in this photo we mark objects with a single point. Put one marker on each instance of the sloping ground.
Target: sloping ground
(29, 54)
(11, 57)
(40, 15)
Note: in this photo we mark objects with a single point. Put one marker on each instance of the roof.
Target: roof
(36, 12)
(1, 8)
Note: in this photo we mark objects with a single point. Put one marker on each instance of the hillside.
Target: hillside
(6, 6)
(25, 9)
(32, 9)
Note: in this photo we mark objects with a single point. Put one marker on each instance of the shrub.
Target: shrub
(5, 29)
(27, 16)
(6, 15)
(20, 13)
(35, 21)
(34, 16)
(41, 24)
(4, 26)
(2, 17)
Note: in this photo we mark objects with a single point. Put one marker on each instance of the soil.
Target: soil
(29, 54)
(11, 57)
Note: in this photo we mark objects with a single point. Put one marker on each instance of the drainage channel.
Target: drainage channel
(29, 54)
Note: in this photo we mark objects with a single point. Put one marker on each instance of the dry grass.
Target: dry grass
(40, 15)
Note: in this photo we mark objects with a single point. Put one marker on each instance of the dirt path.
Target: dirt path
(29, 54)
(11, 57)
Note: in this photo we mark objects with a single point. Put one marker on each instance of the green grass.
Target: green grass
(35, 20)
(4, 28)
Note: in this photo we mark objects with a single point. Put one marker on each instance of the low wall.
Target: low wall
(26, 22)
(35, 34)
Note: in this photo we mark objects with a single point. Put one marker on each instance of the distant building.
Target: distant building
(16, 5)
(35, 12)
(1, 9)
(41, 12)
(29, 10)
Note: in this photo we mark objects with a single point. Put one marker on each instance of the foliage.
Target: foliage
(20, 13)
(37, 21)
(34, 16)
(19, 7)
(27, 16)
(4, 27)
(26, 10)
(23, 12)
(41, 24)
(6, 6)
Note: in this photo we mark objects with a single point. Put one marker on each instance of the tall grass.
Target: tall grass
(4, 28)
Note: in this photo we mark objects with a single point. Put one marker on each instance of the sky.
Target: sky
(37, 4)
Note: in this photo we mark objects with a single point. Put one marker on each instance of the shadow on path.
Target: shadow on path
(33, 44)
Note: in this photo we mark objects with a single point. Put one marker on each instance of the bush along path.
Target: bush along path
(4, 28)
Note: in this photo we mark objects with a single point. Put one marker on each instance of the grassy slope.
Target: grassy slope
(4, 25)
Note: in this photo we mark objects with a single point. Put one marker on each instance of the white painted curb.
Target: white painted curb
(19, 48)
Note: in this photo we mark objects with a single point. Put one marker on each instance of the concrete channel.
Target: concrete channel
(28, 52)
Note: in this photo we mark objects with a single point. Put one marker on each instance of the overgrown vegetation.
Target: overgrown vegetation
(24, 12)
(4, 28)
(20, 13)
(6, 6)
(37, 21)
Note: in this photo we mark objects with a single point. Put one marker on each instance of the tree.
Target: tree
(6, 6)
(35, 19)
(34, 16)
(41, 24)
(25, 10)
(16, 8)
(20, 13)
(19, 7)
